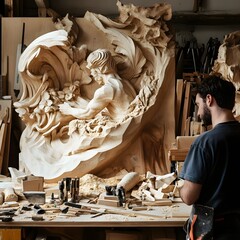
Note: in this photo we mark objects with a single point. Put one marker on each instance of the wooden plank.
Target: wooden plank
(179, 96)
(3, 85)
(187, 126)
(10, 234)
(126, 235)
(162, 202)
(124, 212)
(177, 154)
(6, 106)
(108, 202)
(163, 234)
(184, 142)
(186, 107)
(3, 134)
(12, 36)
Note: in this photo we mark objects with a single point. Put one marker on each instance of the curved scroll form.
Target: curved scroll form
(85, 106)
(228, 64)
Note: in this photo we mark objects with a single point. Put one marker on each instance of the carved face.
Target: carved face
(97, 75)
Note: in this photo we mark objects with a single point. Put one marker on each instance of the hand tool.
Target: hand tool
(61, 188)
(64, 188)
(75, 190)
(73, 204)
(117, 191)
(10, 212)
(79, 207)
(113, 210)
(37, 217)
(6, 218)
(67, 188)
(35, 197)
(64, 209)
(99, 213)
(38, 209)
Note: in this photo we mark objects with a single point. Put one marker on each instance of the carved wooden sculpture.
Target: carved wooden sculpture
(87, 107)
(228, 64)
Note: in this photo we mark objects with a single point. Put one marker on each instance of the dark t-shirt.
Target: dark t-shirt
(214, 161)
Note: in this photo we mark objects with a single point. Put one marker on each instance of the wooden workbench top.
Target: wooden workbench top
(161, 216)
(167, 214)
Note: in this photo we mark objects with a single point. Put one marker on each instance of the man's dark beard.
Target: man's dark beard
(206, 117)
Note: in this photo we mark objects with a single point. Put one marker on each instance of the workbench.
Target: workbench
(87, 215)
(173, 216)
(161, 216)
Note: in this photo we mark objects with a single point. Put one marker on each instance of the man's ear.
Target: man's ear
(209, 100)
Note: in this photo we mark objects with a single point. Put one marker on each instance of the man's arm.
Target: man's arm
(189, 192)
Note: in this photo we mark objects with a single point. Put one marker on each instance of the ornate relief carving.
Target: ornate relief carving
(82, 106)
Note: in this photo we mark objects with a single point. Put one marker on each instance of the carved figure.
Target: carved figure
(79, 122)
(110, 99)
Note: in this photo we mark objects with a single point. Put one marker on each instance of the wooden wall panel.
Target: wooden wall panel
(12, 36)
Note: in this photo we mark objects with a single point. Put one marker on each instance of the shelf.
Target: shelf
(206, 18)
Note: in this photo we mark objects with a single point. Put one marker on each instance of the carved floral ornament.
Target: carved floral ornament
(82, 106)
